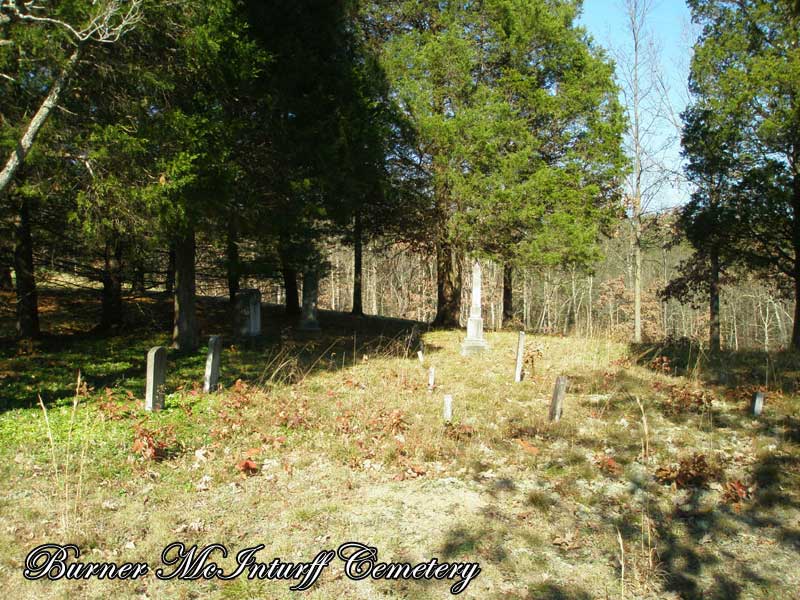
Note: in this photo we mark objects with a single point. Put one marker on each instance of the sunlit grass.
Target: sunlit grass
(348, 443)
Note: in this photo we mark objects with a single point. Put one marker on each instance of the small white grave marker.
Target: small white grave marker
(758, 403)
(431, 379)
(156, 376)
(448, 408)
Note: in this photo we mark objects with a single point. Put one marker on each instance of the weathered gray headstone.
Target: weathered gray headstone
(420, 356)
(559, 392)
(475, 343)
(431, 379)
(156, 376)
(248, 312)
(520, 357)
(211, 379)
(447, 413)
(308, 320)
(758, 403)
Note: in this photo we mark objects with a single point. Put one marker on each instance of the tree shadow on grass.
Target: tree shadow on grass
(695, 566)
(118, 361)
(486, 543)
(696, 540)
(729, 368)
(51, 370)
(551, 591)
(685, 535)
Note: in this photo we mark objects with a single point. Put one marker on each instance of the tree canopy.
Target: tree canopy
(265, 129)
(518, 129)
(742, 141)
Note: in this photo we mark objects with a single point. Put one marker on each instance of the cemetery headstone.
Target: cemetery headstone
(758, 403)
(308, 320)
(211, 379)
(431, 379)
(474, 343)
(156, 377)
(447, 413)
(520, 357)
(557, 403)
(248, 313)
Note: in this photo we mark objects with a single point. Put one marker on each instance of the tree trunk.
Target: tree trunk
(448, 287)
(664, 305)
(233, 265)
(637, 19)
(637, 284)
(19, 153)
(574, 305)
(375, 310)
(589, 323)
(714, 337)
(137, 282)
(27, 300)
(169, 283)
(292, 293)
(289, 273)
(358, 268)
(6, 283)
(508, 294)
(111, 315)
(334, 279)
(796, 240)
(796, 325)
(185, 334)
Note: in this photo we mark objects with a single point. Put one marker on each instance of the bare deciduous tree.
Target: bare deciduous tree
(638, 68)
(110, 22)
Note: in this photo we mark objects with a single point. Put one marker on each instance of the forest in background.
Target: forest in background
(399, 282)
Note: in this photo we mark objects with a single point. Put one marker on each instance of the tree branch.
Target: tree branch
(23, 147)
(106, 27)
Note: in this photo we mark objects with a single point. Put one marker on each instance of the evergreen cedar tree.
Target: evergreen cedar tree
(491, 130)
(518, 131)
(742, 143)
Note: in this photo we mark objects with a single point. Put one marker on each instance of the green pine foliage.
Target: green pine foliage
(490, 129)
(518, 126)
(742, 138)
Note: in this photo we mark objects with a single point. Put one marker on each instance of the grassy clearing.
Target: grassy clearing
(346, 443)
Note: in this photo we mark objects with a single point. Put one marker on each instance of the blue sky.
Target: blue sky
(606, 18)
(670, 27)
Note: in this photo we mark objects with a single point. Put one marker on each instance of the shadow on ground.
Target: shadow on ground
(729, 368)
(49, 367)
(698, 541)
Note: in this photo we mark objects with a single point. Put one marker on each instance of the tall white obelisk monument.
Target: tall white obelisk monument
(475, 342)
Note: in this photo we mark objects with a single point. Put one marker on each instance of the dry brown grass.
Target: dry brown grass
(302, 459)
